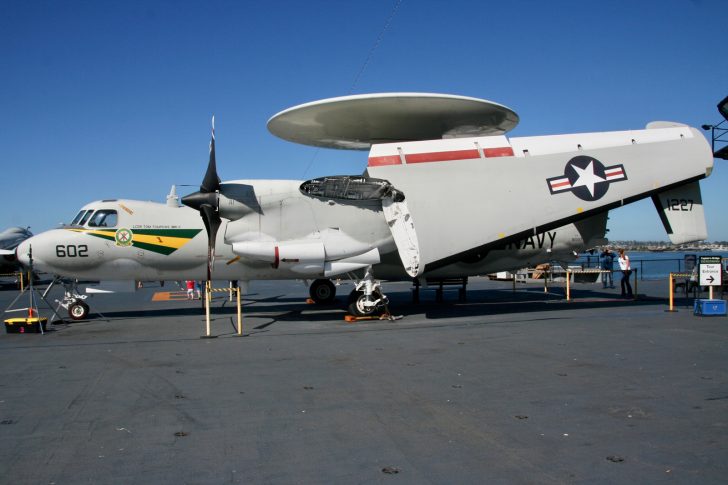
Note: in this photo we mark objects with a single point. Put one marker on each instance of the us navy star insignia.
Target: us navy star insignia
(587, 178)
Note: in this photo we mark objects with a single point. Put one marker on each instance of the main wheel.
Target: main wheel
(323, 292)
(356, 304)
(78, 310)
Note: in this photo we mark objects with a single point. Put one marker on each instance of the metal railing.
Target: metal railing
(666, 265)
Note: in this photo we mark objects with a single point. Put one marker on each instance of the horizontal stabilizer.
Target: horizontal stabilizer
(682, 214)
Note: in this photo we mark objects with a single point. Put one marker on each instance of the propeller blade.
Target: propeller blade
(212, 223)
(211, 182)
(206, 202)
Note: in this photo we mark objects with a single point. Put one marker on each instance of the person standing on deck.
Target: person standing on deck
(626, 269)
(607, 265)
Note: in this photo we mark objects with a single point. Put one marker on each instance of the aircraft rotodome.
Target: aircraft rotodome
(445, 193)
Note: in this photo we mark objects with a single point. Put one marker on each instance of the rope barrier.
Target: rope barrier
(569, 272)
(209, 290)
(672, 287)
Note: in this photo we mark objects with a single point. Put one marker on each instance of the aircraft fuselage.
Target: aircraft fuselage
(140, 240)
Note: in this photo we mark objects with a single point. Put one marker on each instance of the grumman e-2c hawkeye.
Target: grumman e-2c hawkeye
(444, 194)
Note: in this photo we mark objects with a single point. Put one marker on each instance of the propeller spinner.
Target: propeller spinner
(206, 202)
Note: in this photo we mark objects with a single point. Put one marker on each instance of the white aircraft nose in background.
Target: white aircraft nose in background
(22, 252)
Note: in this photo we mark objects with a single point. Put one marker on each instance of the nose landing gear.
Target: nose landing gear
(72, 300)
(78, 310)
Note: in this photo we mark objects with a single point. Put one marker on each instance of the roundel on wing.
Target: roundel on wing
(587, 176)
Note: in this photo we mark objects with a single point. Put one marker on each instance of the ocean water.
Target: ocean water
(652, 265)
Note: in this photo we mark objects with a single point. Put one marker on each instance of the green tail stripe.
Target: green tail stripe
(154, 248)
(102, 236)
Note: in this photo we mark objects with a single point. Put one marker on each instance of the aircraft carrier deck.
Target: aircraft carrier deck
(503, 388)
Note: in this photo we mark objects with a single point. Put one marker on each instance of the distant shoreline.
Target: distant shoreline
(662, 248)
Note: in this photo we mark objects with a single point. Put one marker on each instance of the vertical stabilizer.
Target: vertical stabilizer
(682, 214)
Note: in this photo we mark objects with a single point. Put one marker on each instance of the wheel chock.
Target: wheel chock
(354, 318)
(386, 316)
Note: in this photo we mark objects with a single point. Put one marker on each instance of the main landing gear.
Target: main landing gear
(366, 299)
(323, 292)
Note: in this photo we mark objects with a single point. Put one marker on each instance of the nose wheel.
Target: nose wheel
(78, 310)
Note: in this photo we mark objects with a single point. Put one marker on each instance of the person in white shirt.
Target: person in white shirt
(626, 269)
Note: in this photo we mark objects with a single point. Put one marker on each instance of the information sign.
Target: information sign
(711, 270)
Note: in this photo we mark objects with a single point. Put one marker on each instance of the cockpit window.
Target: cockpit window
(103, 218)
(85, 217)
(78, 217)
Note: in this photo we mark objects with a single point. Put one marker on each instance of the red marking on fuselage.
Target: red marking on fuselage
(384, 160)
(498, 152)
(440, 156)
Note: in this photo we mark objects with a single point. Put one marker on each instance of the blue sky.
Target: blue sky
(104, 99)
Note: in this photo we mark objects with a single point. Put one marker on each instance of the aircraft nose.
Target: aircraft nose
(23, 252)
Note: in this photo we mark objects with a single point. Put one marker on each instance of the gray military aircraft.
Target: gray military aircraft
(9, 240)
(444, 194)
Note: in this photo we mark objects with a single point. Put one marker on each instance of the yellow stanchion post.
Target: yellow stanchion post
(568, 285)
(240, 313)
(672, 295)
(208, 295)
(21, 275)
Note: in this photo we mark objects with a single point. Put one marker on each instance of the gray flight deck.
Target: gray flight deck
(504, 388)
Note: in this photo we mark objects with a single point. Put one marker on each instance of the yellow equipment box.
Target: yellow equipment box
(25, 325)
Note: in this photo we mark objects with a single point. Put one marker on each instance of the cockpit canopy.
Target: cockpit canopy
(95, 218)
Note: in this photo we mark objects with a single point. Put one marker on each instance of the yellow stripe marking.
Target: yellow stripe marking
(166, 241)
(169, 296)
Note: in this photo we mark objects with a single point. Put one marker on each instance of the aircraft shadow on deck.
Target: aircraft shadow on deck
(280, 308)
(495, 302)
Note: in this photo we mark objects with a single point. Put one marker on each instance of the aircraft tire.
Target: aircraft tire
(356, 304)
(323, 292)
(78, 310)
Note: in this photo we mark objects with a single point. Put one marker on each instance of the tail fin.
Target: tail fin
(682, 214)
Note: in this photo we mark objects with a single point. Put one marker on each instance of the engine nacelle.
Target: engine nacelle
(353, 263)
(306, 256)
(237, 200)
